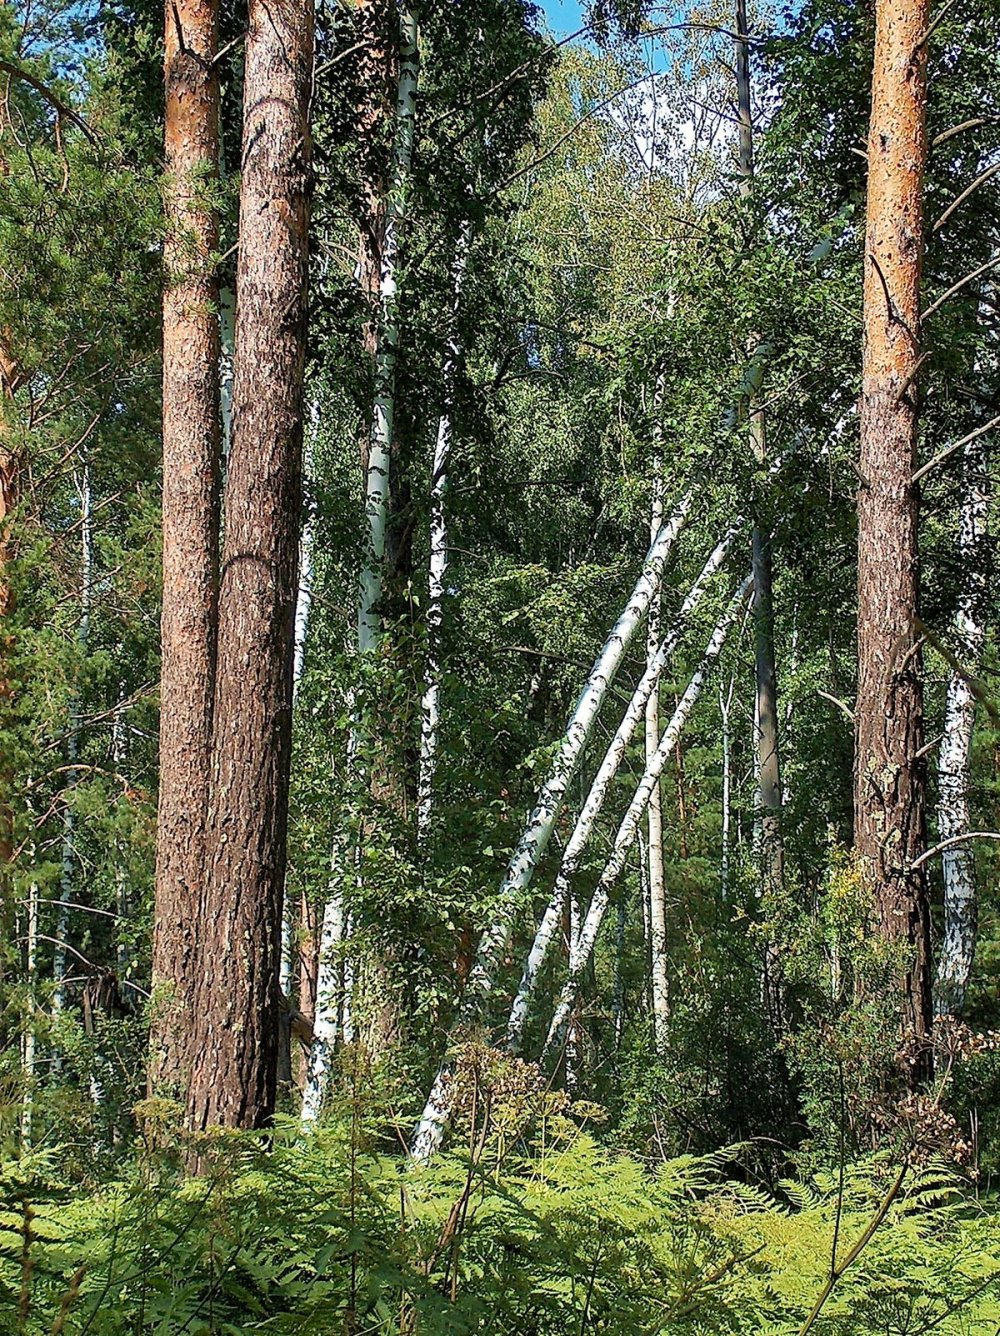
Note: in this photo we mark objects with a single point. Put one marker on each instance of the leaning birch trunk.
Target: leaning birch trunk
(654, 812)
(955, 753)
(430, 705)
(377, 481)
(535, 837)
(630, 823)
(599, 789)
(67, 876)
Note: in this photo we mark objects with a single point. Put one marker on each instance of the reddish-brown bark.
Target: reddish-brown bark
(8, 473)
(889, 807)
(235, 1024)
(190, 518)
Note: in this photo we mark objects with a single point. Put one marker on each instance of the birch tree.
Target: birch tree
(579, 839)
(629, 827)
(768, 763)
(430, 705)
(889, 803)
(954, 760)
(387, 341)
(535, 836)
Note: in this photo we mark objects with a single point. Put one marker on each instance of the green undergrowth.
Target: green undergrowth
(526, 1225)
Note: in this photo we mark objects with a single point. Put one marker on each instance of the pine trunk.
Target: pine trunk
(237, 1007)
(889, 796)
(190, 521)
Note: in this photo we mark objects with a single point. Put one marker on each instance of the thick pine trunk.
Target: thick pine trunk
(237, 1005)
(190, 521)
(889, 793)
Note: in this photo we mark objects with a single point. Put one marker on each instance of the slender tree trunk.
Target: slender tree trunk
(958, 864)
(889, 790)
(594, 802)
(768, 762)
(29, 1042)
(725, 706)
(190, 521)
(654, 813)
(236, 1017)
(10, 380)
(372, 581)
(67, 877)
(430, 707)
(629, 827)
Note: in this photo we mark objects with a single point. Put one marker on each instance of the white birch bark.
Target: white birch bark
(227, 347)
(725, 705)
(955, 751)
(303, 607)
(68, 869)
(654, 812)
(629, 827)
(431, 1128)
(28, 1048)
(377, 482)
(599, 789)
(328, 1005)
(430, 704)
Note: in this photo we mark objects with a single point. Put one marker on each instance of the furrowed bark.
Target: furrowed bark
(889, 783)
(958, 864)
(235, 1023)
(190, 521)
(535, 837)
(599, 789)
(630, 823)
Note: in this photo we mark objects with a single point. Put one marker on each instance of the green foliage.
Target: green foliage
(533, 1227)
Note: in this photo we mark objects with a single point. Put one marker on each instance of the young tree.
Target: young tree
(190, 518)
(889, 799)
(235, 1021)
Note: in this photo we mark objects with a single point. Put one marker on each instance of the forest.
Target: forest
(499, 667)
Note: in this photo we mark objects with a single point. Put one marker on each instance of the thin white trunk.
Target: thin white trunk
(227, 346)
(118, 754)
(330, 1000)
(629, 827)
(380, 442)
(431, 1128)
(599, 789)
(618, 1000)
(68, 870)
(430, 705)
(725, 705)
(654, 813)
(955, 751)
(28, 1046)
(573, 1037)
(303, 606)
